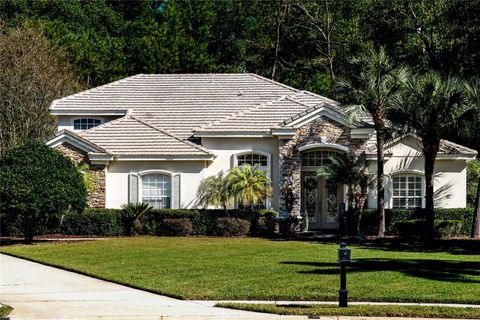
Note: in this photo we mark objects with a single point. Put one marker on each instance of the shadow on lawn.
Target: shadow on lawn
(440, 270)
(453, 246)
(460, 246)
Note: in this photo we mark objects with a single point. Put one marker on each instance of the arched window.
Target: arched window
(317, 158)
(262, 160)
(86, 123)
(407, 191)
(157, 190)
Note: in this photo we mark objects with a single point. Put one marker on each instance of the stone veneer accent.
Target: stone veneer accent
(80, 157)
(290, 158)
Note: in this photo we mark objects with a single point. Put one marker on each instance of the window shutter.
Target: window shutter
(176, 191)
(133, 188)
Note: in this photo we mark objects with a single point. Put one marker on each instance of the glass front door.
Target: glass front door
(320, 200)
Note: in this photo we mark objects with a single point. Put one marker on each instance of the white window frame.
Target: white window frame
(154, 172)
(267, 169)
(407, 174)
(72, 122)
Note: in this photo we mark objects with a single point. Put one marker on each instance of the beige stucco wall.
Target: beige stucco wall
(226, 148)
(191, 173)
(449, 179)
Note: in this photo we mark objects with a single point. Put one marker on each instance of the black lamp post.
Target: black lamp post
(344, 259)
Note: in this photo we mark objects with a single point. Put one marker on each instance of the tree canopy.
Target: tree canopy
(304, 43)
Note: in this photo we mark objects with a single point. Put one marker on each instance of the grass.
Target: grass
(260, 269)
(5, 310)
(360, 310)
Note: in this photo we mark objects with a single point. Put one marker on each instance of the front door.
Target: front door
(320, 200)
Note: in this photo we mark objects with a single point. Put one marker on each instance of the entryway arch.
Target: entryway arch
(319, 198)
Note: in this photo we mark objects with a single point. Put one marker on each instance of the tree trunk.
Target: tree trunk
(476, 214)
(430, 151)
(361, 204)
(380, 184)
(281, 13)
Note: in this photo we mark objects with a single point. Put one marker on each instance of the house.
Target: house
(153, 138)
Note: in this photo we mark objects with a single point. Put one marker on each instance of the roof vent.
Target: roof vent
(240, 93)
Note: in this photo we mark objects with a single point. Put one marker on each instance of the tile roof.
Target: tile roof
(132, 136)
(446, 146)
(179, 103)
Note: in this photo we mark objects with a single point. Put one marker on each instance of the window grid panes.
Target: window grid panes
(85, 123)
(253, 159)
(156, 190)
(316, 158)
(407, 192)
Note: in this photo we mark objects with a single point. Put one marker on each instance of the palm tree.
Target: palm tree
(472, 92)
(432, 108)
(249, 184)
(215, 191)
(350, 170)
(372, 90)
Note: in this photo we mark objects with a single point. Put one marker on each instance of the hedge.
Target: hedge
(109, 222)
(100, 222)
(416, 228)
(369, 222)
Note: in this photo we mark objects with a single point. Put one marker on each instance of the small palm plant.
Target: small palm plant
(214, 191)
(132, 212)
(350, 170)
(249, 184)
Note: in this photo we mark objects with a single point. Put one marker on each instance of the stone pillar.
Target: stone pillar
(96, 199)
(289, 166)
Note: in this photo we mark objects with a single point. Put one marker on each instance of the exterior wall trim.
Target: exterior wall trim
(320, 145)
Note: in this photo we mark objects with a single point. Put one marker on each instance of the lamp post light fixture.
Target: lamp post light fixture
(344, 259)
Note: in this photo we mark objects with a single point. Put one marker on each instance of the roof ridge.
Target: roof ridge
(275, 82)
(189, 143)
(241, 112)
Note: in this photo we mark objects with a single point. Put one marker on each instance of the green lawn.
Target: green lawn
(360, 311)
(249, 268)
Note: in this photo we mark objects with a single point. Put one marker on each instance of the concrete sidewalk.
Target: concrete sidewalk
(36, 291)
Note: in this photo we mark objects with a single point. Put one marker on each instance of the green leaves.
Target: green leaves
(246, 183)
(38, 184)
(136, 210)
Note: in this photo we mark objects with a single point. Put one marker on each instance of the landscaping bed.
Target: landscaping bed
(260, 269)
(360, 310)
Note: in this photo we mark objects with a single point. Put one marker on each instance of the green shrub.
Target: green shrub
(416, 228)
(290, 226)
(38, 184)
(99, 222)
(410, 228)
(264, 222)
(231, 227)
(196, 217)
(369, 221)
(448, 228)
(176, 227)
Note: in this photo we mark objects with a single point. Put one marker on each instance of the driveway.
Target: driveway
(36, 291)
